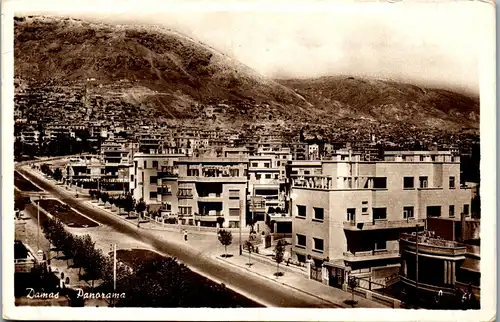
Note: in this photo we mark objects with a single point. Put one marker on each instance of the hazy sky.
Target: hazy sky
(431, 44)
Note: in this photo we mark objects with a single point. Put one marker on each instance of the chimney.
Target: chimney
(462, 227)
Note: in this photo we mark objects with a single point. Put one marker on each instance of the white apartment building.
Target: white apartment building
(148, 178)
(349, 213)
(212, 188)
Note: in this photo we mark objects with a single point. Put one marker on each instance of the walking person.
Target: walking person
(185, 235)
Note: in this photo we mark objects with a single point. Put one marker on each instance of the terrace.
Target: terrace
(433, 245)
(383, 224)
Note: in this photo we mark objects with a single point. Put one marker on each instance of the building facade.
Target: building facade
(349, 213)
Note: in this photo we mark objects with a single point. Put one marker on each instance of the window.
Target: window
(277, 163)
(451, 183)
(153, 194)
(234, 211)
(381, 245)
(153, 180)
(266, 165)
(466, 210)
(380, 183)
(423, 182)
(421, 158)
(319, 214)
(351, 214)
(268, 176)
(318, 244)
(433, 211)
(301, 211)
(183, 192)
(408, 212)
(451, 211)
(255, 164)
(379, 213)
(234, 194)
(364, 211)
(132, 177)
(307, 172)
(145, 164)
(166, 190)
(408, 183)
(300, 240)
(275, 176)
(234, 172)
(258, 176)
(183, 210)
(155, 164)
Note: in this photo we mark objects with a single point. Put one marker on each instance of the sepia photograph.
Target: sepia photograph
(251, 159)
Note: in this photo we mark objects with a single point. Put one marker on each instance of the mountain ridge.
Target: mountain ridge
(176, 71)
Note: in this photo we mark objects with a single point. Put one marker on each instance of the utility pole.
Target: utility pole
(38, 223)
(241, 223)
(113, 249)
(416, 265)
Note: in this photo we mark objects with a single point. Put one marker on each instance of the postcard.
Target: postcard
(249, 161)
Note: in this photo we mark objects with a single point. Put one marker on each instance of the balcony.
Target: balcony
(370, 255)
(209, 217)
(211, 197)
(432, 245)
(280, 217)
(184, 195)
(224, 179)
(382, 224)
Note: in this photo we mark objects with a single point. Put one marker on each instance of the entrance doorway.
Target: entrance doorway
(336, 278)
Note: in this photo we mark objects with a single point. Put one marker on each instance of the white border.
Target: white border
(488, 177)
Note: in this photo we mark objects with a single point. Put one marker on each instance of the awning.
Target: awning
(472, 265)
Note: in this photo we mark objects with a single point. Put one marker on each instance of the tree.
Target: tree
(226, 239)
(279, 252)
(20, 202)
(57, 174)
(141, 206)
(353, 283)
(249, 247)
(220, 221)
(93, 265)
(83, 246)
(104, 197)
(128, 203)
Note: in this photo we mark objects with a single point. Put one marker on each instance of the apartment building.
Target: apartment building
(30, 136)
(86, 171)
(153, 179)
(349, 213)
(212, 188)
(264, 186)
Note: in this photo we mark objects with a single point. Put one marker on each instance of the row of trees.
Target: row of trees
(127, 202)
(56, 174)
(226, 238)
(154, 282)
(81, 249)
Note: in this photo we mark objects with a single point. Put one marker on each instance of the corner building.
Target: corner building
(348, 214)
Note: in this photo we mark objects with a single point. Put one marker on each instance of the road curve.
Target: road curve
(254, 287)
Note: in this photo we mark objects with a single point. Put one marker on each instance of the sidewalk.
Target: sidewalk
(298, 282)
(207, 244)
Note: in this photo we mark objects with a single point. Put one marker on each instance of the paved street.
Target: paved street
(250, 285)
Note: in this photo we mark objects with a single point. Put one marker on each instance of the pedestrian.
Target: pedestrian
(185, 235)
(138, 223)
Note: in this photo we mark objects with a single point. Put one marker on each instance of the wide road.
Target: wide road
(254, 287)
